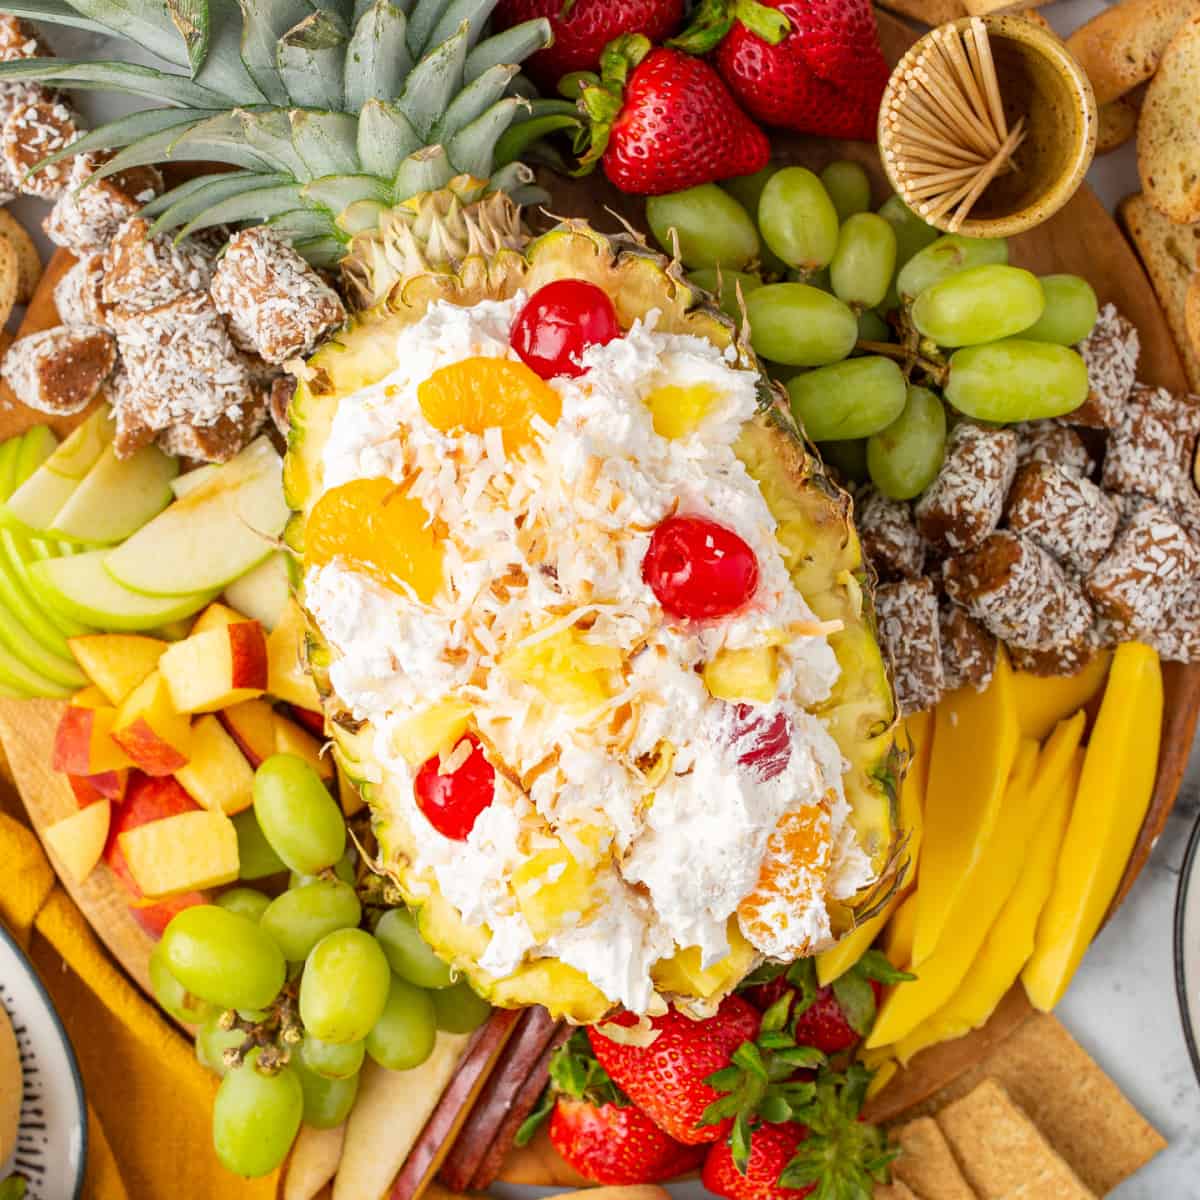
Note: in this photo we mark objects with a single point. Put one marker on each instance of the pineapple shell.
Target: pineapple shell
(815, 528)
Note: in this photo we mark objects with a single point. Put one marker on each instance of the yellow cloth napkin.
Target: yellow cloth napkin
(149, 1100)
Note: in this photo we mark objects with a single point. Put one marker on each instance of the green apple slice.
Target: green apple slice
(37, 445)
(214, 535)
(117, 497)
(181, 485)
(81, 588)
(37, 501)
(262, 594)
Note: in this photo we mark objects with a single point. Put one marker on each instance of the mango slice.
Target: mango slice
(1114, 794)
(1010, 941)
(840, 958)
(986, 887)
(897, 939)
(976, 734)
(1042, 702)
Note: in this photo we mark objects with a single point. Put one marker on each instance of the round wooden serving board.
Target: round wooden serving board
(1082, 238)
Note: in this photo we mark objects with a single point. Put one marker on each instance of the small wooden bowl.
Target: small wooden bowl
(1041, 82)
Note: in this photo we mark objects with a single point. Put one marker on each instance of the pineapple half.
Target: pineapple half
(384, 138)
(814, 528)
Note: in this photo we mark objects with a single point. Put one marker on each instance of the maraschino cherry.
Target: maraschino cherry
(699, 570)
(559, 322)
(452, 803)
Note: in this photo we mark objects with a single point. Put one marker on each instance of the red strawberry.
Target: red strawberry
(582, 28)
(818, 70)
(666, 1079)
(663, 121)
(617, 1144)
(771, 1149)
(826, 1025)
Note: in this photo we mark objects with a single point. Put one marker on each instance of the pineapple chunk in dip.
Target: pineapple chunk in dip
(660, 784)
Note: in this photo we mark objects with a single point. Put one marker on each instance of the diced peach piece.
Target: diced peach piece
(89, 697)
(217, 616)
(107, 785)
(287, 678)
(217, 775)
(146, 799)
(216, 669)
(78, 841)
(116, 662)
(83, 742)
(181, 853)
(150, 729)
(291, 739)
(252, 725)
(314, 722)
(155, 915)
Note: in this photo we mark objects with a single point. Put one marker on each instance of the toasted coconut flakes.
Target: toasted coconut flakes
(642, 1035)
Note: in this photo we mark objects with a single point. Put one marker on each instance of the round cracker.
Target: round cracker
(1191, 311)
(29, 263)
(9, 279)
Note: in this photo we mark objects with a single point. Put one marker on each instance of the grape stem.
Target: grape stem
(937, 372)
(275, 1036)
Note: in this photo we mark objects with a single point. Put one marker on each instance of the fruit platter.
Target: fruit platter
(593, 593)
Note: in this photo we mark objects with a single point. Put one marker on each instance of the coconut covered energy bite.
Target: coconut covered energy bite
(907, 613)
(79, 294)
(965, 502)
(90, 211)
(142, 273)
(1150, 448)
(1064, 513)
(968, 650)
(889, 536)
(1049, 442)
(36, 128)
(1111, 354)
(1152, 563)
(1019, 593)
(60, 371)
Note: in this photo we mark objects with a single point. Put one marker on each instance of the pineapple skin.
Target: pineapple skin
(815, 529)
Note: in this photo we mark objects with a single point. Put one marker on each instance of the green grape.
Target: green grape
(904, 457)
(872, 327)
(747, 190)
(1070, 311)
(250, 902)
(222, 957)
(865, 260)
(848, 456)
(171, 995)
(797, 218)
(408, 953)
(848, 186)
(459, 1008)
(1016, 380)
(979, 304)
(299, 918)
(256, 859)
(344, 986)
(850, 399)
(912, 234)
(799, 326)
(344, 869)
(941, 259)
(212, 1041)
(712, 228)
(256, 1118)
(327, 1102)
(300, 819)
(724, 285)
(403, 1036)
(330, 1059)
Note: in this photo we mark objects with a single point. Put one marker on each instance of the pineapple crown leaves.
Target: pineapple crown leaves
(713, 19)
(318, 108)
(574, 1072)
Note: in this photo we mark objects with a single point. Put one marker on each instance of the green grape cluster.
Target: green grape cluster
(292, 986)
(883, 330)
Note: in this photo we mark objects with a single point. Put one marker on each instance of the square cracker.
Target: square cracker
(1072, 1101)
(926, 1164)
(1003, 1153)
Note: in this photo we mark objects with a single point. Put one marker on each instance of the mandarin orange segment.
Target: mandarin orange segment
(488, 393)
(375, 528)
(774, 916)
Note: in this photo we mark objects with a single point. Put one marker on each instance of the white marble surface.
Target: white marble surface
(1122, 1004)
